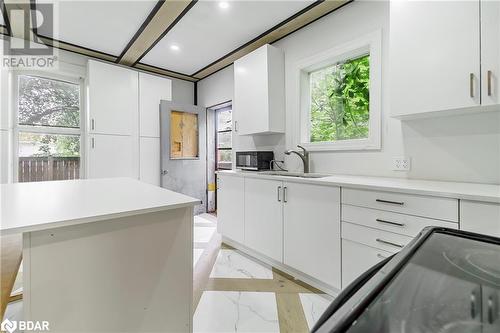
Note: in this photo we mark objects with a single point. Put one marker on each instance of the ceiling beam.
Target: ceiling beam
(306, 16)
(163, 17)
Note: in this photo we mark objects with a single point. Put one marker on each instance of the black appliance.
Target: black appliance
(445, 280)
(254, 160)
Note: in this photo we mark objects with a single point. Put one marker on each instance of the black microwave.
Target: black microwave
(254, 160)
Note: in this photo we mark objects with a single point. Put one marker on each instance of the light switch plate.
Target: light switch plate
(401, 164)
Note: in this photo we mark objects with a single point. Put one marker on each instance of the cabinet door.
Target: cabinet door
(480, 217)
(264, 217)
(149, 162)
(230, 207)
(251, 92)
(434, 56)
(152, 89)
(311, 227)
(111, 156)
(490, 52)
(113, 99)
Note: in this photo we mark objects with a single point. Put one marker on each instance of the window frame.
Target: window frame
(17, 128)
(217, 131)
(369, 44)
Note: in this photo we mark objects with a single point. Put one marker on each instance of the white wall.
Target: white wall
(456, 148)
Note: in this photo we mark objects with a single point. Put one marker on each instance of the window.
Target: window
(224, 139)
(48, 133)
(340, 97)
(183, 135)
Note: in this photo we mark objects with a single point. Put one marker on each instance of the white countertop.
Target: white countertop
(465, 191)
(43, 205)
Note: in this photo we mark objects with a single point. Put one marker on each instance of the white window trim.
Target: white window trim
(16, 128)
(372, 44)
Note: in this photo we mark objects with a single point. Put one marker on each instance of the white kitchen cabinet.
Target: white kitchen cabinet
(149, 161)
(264, 217)
(113, 97)
(259, 92)
(152, 89)
(480, 217)
(312, 231)
(112, 156)
(434, 56)
(490, 52)
(231, 207)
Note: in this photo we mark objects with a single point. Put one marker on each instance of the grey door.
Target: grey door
(182, 171)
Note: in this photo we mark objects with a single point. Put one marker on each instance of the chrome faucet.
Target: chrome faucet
(304, 157)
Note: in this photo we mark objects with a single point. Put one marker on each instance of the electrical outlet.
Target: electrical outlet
(401, 164)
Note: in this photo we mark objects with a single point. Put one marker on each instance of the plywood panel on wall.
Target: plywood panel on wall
(183, 135)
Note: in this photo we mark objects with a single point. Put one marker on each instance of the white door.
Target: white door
(113, 99)
(434, 56)
(230, 207)
(111, 156)
(264, 217)
(149, 163)
(152, 89)
(490, 52)
(311, 227)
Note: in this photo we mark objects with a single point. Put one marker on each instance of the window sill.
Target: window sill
(348, 145)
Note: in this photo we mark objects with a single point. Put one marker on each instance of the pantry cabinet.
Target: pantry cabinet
(112, 99)
(152, 89)
(440, 54)
(231, 207)
(311, 228)
(112, 156)
(264, 217)
(259, 92)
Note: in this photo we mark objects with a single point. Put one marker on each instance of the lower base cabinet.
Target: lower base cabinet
(311, 228)
(264, 217)
(480, 217)
(230, 207)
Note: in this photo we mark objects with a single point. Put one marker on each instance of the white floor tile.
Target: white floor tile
(314, 305)
(203, 234)
(228, 311)
(231, 264)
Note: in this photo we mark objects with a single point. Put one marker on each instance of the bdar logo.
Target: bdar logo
(8, 326)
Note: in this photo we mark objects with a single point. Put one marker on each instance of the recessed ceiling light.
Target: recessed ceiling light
(174, 47)
(223, 4)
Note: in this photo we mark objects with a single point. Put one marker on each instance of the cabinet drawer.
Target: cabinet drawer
(408, 225)
(433, 207)
(379, 239)
(358, 258)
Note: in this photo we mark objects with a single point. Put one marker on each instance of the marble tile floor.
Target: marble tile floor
(234, 292)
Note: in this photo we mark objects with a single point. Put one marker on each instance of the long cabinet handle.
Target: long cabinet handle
(390, 222)
(92, 143)
(389, 243)
(92, 124)
(284, 194)
(471, 85)
(489, 82)
(278, 191)
(400, 203)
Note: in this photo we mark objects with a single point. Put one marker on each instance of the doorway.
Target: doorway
(219, 147)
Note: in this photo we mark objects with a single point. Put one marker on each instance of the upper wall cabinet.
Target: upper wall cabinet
(259, 92)
(112, 99)
(435, 55)
(152, 89)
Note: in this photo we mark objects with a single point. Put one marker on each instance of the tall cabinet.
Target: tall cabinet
(444, 55)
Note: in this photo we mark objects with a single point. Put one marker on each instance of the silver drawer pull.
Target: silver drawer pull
(400, 203)
(391, 223)
(381, 256)
(389, 243)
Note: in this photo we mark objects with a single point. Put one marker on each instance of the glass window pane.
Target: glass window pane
(224, 158)
(183, 135)
(224, 120)
(46, 102)
(340, 101)
(224, 140)
(48, 157)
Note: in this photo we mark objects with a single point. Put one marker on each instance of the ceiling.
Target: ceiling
(180, 38)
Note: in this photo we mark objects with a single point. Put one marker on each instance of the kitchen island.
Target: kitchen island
(103, 255)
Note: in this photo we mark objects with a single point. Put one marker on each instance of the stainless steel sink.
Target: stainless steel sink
(293, 174)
